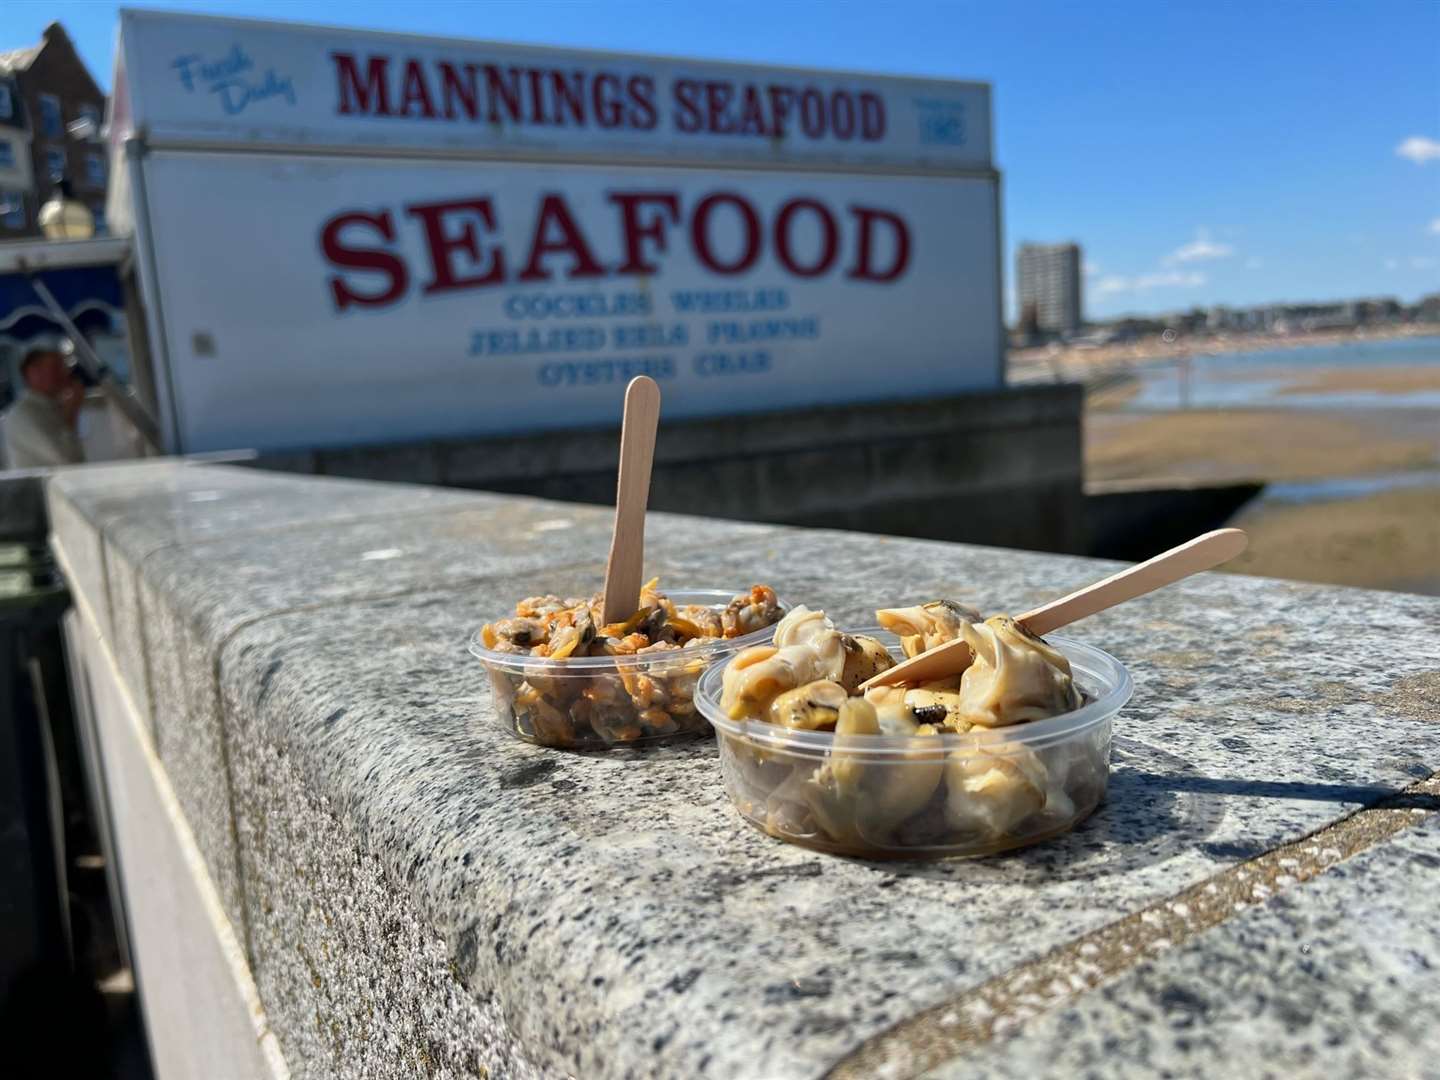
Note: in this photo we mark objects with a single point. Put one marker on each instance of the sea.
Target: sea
(1258, 379)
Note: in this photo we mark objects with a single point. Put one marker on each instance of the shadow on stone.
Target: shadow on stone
(1146, 818)
(1365, 795)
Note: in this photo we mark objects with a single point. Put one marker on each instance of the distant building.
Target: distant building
(45, 90)
(16, 174)
(1048, 280)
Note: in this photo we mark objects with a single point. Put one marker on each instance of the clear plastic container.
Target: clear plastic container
(603, 702)
(928, 796)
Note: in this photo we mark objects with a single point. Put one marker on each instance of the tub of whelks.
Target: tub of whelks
(1012, 750)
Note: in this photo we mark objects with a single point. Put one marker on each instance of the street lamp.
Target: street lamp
(65, 217)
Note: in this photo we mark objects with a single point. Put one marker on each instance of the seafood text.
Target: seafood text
(466, 245)
(453, 90)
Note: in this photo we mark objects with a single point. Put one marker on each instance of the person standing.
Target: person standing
(39, 428)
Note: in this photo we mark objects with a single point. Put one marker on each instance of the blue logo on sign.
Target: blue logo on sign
(941, 122)
(233, 78)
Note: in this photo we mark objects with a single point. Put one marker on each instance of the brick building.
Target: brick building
(44, 90)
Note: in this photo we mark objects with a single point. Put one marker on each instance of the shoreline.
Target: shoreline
(1364, 504)
(1046, 360)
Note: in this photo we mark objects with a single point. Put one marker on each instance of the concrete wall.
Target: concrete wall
(1133, 520)
(998, 467)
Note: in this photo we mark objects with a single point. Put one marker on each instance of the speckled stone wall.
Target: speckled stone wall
(423, 895)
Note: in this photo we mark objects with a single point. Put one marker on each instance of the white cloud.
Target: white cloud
(1392, 264)
(1434, 227)
(1164, 279)
(1202, 247)
(1419, 149)
(1423, 262)
(1093, 268)
(1254, 262)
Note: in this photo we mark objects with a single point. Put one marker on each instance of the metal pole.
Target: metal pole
(122, 398)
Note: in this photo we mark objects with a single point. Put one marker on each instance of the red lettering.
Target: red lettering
(416, 92)
(370, 260)
(687, 105)
(872, 117)
(569, 94)
(371, 96)
(717, 99)
(866, 218)
(842, 115)
(700, 233)
(829, 243)
(454, 85)
(537, 95)
(781, 98)
(635, 232)
(812, 113)
(605, 100)
(643, 114)
(752, 116)
(503, 87)
(570, 242)
(442, 246)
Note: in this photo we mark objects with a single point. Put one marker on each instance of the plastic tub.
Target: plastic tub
(603, 702)
(935, 796)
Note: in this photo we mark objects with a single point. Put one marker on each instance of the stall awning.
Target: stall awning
(82, 275)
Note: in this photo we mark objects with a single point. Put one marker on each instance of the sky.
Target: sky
(1232, 152)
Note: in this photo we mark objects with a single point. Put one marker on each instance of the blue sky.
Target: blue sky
(1220, 152)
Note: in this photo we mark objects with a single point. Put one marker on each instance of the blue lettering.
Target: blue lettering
(547, 305)
(717, 363)
(730, 300)
(235, 95)
(225, 77)
(604, 372)
(182, 64)
(649, 336)
(736, 332)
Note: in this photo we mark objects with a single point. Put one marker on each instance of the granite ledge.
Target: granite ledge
(612, 916)
(575, 889)
(1338, 980)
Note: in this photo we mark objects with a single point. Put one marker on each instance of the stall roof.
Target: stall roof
(81, 275)
(21, 255)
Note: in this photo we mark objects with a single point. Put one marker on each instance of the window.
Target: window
(86, 124)
(12, 209)
(7, 103)
(54, 162)
(7, 154)
(95, 170)
(51, 123)
(102, 227)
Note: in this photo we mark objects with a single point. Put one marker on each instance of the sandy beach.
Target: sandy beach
(1257, 444)
(1387, 538)
(1390, 380)
(1385, 541)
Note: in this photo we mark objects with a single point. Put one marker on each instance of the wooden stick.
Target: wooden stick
(632, 493)
(1202, 553)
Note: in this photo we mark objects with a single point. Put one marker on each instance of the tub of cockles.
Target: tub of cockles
(562, 678)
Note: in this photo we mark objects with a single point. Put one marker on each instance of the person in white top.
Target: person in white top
(39, 427)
